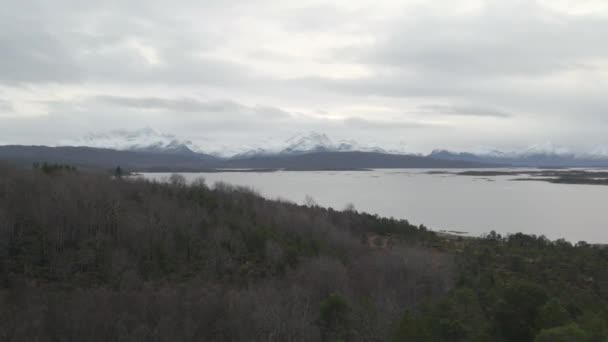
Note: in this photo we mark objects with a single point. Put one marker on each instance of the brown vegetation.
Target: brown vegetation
(90, 257)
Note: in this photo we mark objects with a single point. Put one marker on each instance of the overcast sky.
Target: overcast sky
(428, 74)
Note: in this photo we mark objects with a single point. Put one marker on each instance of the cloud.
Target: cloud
(190, 105)
(515, 38)
(178, 105)
(5, 106)
(31, 54)
(361, 123)
(68, 43)
(228, 70)
(466, 111)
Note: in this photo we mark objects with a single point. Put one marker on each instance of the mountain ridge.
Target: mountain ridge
(526, 159)
(270, 150)
(151, 140)
(167, 162)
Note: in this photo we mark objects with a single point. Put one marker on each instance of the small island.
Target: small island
(568, 176)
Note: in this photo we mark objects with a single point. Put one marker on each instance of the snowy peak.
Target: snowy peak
(320, 142)
(546, 148)
(311, 142)
(540, 155)
(151, 140)
(145, 139)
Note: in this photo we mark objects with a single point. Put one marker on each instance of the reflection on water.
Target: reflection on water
(442, 201)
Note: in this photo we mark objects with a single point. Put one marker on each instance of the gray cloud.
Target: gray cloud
(5, 106)
(179, 105)
(70, 43)
(31, 54)
(190, 105)
(269, 68)
(390, 125)
(515, 38)
(466, 111)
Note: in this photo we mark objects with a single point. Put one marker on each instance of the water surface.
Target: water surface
(475, 205)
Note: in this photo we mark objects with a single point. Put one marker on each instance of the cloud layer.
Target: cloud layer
(444, 74)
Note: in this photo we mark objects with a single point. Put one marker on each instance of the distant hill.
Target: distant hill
(527, 159)
(142, 140)
(181, 158)
(156, 161)
(107, 158)
(346, 160)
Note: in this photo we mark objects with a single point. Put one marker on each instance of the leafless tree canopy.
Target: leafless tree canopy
(87, 256)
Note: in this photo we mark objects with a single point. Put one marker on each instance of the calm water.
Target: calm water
(475, 205)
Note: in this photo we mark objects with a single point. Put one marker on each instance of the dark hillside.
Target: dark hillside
(87, 257)
(84, 256)
(152, 161)
(89, 157)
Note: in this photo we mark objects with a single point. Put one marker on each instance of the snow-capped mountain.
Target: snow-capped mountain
(145, 139)
(599, 152)
(320, 142)
(304, 143)
(540, 155)
(312, 141)
(546, 148)
(150, 140)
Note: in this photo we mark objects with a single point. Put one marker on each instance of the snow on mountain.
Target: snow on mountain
(352, 145)
(540, 155)
(546, 148)
(543, 149)
(320, 142)
(151, 140)
(312, 141)
(148, 139)
(145, 139)
(600, 152)
(306, 143)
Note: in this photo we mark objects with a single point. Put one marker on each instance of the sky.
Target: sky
(458, 74)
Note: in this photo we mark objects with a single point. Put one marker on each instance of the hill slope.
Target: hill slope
(86, 257)
(106, 158)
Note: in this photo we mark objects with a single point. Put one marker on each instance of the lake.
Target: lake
(475, 205)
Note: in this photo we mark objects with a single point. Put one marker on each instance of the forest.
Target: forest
(96, 256)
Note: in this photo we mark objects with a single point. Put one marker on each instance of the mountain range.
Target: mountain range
(528, 158)
(150, 140)
(142, 140)
(149, 150)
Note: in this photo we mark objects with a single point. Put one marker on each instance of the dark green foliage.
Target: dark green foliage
(118, 173)
(567, 333)
(525, 288)
(517, 310)
(53, 168)
(412, 328)
(459, 317)
(334, 320)
(553, 314)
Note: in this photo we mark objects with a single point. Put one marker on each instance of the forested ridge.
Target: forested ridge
(88, 256)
